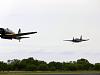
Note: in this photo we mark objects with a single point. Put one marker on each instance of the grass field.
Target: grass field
(41, 72)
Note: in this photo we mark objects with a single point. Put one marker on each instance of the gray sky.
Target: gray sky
(55, 21)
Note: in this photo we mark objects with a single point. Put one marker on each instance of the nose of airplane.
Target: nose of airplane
(1, 30)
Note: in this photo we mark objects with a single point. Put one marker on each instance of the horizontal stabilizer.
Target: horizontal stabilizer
(23, 37)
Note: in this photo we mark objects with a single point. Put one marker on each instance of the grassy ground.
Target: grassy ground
(41, 72)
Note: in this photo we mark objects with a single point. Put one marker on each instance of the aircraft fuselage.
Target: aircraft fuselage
(8, 34)
(77, 40)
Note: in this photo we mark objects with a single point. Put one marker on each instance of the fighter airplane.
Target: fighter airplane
(9, 34)
(77, 40)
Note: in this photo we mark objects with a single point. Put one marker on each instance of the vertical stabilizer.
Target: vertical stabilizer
(73, 38)
(19, 31)
(81, 37)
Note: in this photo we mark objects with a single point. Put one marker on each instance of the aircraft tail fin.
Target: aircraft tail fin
(81, 37)
(19, 31)
(73, 38)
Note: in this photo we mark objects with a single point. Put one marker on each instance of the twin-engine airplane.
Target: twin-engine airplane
(77, 40)
(9, 34)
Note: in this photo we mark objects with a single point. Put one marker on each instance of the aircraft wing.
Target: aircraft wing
(67, 40)
(21, 34)
(85, 40)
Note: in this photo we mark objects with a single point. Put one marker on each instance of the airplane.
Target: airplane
(9, 34)
(77, 40)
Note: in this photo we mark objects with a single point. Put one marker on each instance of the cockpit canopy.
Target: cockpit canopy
(8, 31)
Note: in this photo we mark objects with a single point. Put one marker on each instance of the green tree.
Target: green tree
(97, 66)
(83, 64)
(3, 66)
(15, 64)
(43, 67)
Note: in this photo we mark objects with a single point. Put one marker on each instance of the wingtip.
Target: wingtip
(88, 39)
(34, 32)
(64, 40)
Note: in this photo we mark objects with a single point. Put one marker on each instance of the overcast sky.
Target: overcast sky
(55, 21)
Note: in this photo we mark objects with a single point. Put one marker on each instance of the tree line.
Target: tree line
(30, 64)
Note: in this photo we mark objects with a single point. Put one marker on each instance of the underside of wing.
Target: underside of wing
(21, 34)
